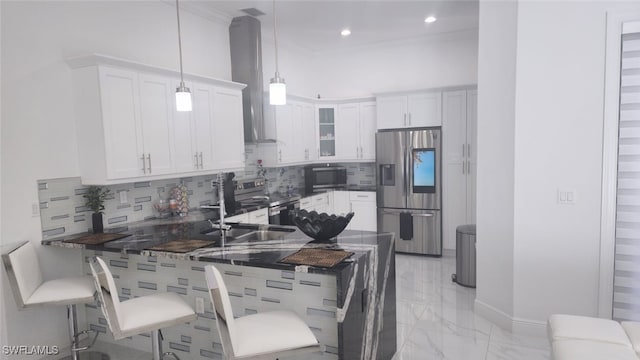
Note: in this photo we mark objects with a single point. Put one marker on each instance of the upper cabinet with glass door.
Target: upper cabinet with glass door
(326, 116)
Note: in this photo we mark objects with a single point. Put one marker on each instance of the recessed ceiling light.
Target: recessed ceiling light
(430, 19)
(345, 32)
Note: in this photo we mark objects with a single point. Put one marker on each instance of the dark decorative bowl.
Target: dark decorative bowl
(321, 227)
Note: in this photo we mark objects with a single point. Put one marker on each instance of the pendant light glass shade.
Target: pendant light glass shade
(277, 88)
(277, 91)
(183, 95)
(183, 98)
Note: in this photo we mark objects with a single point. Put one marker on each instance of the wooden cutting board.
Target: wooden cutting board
(96, 239)
(181, 245)
(317, 257)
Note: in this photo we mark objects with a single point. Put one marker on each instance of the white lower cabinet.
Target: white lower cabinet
(362, 203)
(241, 218)
(259, 216)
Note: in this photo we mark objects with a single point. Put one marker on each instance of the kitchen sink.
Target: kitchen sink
(232, 233)
(262, 235)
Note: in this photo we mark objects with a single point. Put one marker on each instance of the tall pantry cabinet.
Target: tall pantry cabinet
(459, 112)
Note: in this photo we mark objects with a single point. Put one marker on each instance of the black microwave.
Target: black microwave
(323, 177)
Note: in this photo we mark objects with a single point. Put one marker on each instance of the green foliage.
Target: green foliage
(95, 198)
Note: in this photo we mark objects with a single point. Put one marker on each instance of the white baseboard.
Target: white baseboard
(510, 323)
(529, 327)
(493, 314)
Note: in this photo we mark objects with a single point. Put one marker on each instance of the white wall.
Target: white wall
(427, 62)
(495, 180)
(38, 124)
(295, 65)
(559, 99)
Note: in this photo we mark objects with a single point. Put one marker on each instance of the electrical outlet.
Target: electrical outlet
(199, 305)
(123, 197)
(35, 209)
(214, 184)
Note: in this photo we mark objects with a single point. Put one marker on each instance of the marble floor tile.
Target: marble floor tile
(449, 328)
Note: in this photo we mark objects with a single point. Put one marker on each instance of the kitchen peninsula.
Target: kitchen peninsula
(349, 307)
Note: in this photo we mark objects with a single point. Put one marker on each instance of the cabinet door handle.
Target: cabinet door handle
(468, 167)
(405, 119)
(463, 165)
(197, 163)
(468, 150)
(144, 164)
(201, 163)
(463, 150)
(279, 155)
(149, 158)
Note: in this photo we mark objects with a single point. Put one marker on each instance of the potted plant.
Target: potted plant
(96, 197)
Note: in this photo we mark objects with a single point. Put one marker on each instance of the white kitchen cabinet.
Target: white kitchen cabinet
(203, 136)
(156, 119)
(128, 129)
(241, 218)
(363, 205)
(341, 202)
(227, 130)
(320, 203)
(368, 131)
(459, 157)
(347, 131)
(420, 109)
(259, 216)
(113, 105)
(292, 126)
(309, 132)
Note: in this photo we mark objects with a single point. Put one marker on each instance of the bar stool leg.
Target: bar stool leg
(77, 352)
(156, 344)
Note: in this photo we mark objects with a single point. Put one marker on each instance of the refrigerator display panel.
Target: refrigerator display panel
(424, 170)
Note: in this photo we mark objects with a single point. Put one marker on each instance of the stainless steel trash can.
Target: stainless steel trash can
(465, 256)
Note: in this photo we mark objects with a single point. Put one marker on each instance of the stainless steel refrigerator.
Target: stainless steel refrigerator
(409, 189)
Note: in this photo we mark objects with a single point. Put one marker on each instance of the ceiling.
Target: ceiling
(316, 24)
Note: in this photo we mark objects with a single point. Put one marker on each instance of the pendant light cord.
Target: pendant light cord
(275, 36)
(180, 41)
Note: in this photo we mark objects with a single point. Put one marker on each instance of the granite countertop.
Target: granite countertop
(266, 253)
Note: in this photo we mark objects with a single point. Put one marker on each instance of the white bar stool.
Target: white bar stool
(266, 335)
(139, 315)
(30, 290)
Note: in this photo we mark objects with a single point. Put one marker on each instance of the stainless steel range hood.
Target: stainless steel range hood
(246, 67)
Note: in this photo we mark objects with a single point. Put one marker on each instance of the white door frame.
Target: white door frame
(616, 27)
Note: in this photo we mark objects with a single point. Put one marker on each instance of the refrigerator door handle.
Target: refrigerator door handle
(391, 213)
(422, 215)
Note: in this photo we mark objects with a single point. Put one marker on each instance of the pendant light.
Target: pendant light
(277, 87)
(183, 94)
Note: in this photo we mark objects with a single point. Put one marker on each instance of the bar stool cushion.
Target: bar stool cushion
(153, 311)
(66, 291)
(268, 332)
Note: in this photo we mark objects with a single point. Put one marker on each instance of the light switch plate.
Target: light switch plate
(199, 305)
(566, 196)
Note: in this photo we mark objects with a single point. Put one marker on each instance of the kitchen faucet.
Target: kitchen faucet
(220, 225)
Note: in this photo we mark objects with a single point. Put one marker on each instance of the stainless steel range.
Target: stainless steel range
(251, 194)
